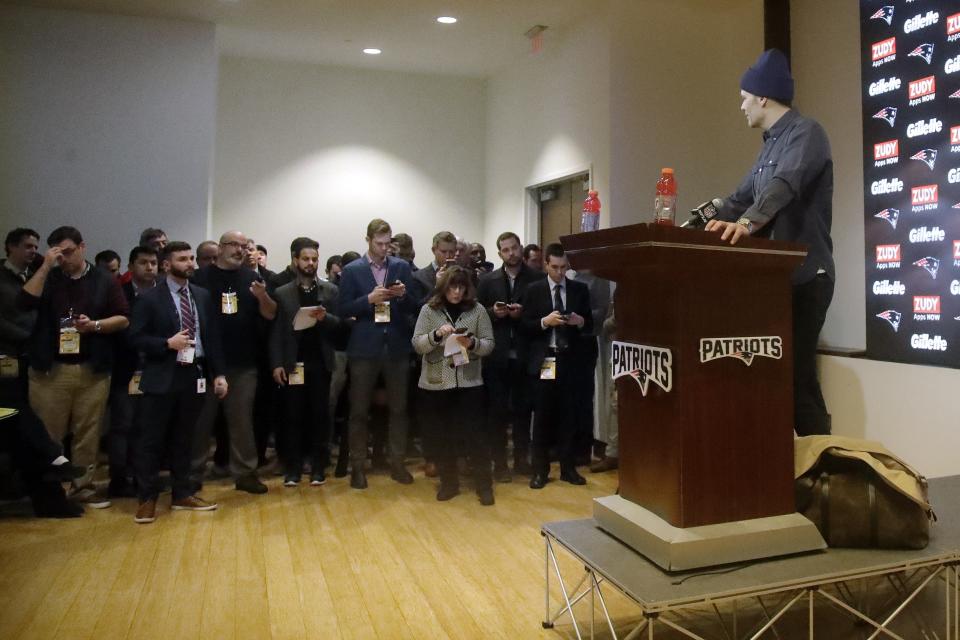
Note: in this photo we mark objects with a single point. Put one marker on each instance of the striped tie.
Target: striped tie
(187, 322)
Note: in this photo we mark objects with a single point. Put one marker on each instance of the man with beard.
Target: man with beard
(174, 326)
(243, 303)
(302, 362)
(503, 371)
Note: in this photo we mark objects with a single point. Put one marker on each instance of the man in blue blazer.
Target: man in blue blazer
(174, 328)
(373, 290)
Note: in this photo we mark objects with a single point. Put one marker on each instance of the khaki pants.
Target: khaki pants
(72, 398)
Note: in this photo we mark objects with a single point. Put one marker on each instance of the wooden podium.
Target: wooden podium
(704, 373)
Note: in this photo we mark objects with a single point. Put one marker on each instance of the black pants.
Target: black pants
(31, 431)
(554, 416)
(123, 434)
(455, 423)
(174, 413)
(509, 402)
(584, 386)
(810, 303)
(306, 428)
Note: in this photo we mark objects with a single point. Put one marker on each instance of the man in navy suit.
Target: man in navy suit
(557, 319)
(174, 328)
(373, 290)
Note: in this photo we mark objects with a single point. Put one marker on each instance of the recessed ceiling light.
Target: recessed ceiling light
(447, 20)
(372, 52)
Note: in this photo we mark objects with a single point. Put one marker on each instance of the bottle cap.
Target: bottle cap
(592, 192)
(667, 171)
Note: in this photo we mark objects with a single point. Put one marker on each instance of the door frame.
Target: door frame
(531, 198)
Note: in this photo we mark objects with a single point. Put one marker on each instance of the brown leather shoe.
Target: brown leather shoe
(146, 512)
(607, 464)
(192, 503)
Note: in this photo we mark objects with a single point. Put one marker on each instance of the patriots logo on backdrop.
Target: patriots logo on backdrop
(955, 94)
(932, 265)
(888, 114)
(956, 206)
(885, 14)
(890, 215)
(926, 156)
(924, 51)
(891, 316)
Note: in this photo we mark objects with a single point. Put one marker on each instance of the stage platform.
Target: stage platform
(799, 579)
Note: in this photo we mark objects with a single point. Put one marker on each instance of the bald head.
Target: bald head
(232, 245)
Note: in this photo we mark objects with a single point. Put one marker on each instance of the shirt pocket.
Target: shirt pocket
(762, 175)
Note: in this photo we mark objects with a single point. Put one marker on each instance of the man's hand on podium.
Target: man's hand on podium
(731, 231)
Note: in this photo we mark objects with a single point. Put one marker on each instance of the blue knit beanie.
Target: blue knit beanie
(769, 77)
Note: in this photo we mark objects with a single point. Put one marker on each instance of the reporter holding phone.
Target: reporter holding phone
(453, 394)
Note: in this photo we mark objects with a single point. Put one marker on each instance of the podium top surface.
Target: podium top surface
(654, 235)
(654, 588)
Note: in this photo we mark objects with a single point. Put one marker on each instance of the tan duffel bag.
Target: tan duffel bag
(859, 494)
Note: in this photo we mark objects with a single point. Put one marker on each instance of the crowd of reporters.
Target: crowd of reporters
(478, 367)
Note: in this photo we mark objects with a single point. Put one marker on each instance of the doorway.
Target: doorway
(560, 205)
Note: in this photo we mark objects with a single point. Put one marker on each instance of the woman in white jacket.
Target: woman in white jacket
(453, 394)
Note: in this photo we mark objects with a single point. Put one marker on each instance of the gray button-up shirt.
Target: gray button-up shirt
(175, 294)
(791, 186)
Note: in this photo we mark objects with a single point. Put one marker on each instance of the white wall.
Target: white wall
(548, 116)
(675, 98)
(319, 151)
(106, 124)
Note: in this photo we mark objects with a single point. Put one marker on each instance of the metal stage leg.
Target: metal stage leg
(883, 627)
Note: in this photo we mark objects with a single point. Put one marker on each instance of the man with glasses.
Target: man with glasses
(241, 304)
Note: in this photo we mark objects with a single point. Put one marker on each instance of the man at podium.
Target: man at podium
(788, 195)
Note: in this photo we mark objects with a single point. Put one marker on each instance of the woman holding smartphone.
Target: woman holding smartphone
(452, 394)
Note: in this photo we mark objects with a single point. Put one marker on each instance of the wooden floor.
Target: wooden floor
(318, 562)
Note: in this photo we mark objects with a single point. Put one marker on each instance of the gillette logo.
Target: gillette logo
(924, 342)
(884, 51)
(918, 22)
(887, 288)
(924, 128)
(955, 284)
(886, 153)
(953, 27)
(924, 198)
(886, 186)
(952, 65)
(953, 176)
(888, 256)
(922, 90)
(923, 234)
(884, 86)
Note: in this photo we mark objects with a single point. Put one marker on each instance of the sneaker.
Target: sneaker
(485, 496)
(318, 479)
(193, 503)
(90, 498)
(251, 484)
(146, 512)
(291, 480)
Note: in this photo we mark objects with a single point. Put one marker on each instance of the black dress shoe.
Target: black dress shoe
(358, 479)
(485, 496)
(341, 469)
(538, 481)
(251, 484)
(573, 477)
(400, 474)
(447, 492)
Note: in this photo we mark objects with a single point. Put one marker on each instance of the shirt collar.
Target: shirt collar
(175, 286)
(22, 273)
(780, 125)
(370, 261)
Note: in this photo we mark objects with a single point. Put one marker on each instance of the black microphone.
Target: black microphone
(702, 214)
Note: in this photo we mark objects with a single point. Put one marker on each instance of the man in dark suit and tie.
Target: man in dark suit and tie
(174, 327)
(373, 290)
(424, 280)
(557, 320)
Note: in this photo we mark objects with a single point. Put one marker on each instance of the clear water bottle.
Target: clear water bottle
(666, 202)
(590, 216)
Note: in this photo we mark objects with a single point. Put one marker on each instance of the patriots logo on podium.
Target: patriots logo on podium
(926, 156)
(890, 215)
(642, 363)
(891, 316)
(924, 51)
(885, 14)
(887, 114)
(745, 357)
(930, 264)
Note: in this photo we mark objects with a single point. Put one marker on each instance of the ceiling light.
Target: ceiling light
(372, 52)
(447, 20)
